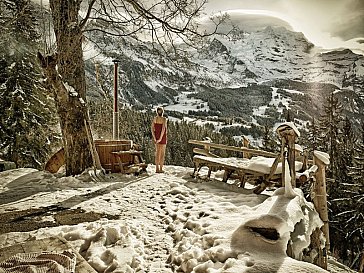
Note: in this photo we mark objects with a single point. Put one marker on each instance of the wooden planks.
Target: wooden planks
(55, 162)
(232, 148)
(52, 244)
(320, 202)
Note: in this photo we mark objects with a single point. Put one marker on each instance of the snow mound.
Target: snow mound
(288, 125)
(324, 157)
(258, 244)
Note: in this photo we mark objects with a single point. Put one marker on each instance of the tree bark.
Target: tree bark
(65, 71)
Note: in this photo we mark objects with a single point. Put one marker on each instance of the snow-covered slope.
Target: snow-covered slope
(161, 222)
(230, 75)
(277, 53)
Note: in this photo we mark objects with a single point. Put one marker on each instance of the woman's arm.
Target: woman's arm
(152, 128)
(164, 129)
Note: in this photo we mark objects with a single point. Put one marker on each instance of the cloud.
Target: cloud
(327, 23)
(245, 20)
(350, 24)
(350, 29)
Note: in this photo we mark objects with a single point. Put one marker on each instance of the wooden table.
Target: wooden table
(128, 160)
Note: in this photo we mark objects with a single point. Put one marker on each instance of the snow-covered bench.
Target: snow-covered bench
(262, 167)
(259, 167)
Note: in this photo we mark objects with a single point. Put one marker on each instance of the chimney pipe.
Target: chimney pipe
(115, 121)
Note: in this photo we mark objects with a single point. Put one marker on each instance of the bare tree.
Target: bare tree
(164, 20)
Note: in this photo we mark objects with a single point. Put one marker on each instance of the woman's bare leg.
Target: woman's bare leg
(162, 156)
(157, 156)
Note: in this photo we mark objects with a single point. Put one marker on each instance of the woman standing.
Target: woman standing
(159, 132)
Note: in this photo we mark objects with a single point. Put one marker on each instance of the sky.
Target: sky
(327, 23)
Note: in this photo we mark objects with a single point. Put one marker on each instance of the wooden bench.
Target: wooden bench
(241, 168)
(265, 169)
(290, 152)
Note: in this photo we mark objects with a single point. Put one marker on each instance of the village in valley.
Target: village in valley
(173, 136)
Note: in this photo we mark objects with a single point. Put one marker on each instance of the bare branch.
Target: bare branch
(114, 33)
(84, 20)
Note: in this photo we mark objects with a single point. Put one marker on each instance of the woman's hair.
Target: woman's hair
(160, 111)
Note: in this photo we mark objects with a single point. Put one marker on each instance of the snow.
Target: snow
(278, 98)
(259, 164)
(293, 91)
(166, 222)
(82, 101)
(90, 52)
(289, 124)
(278, 101)
(260, 111)
(72, 92)
(185, 104)
(324, 157)
(298, 148)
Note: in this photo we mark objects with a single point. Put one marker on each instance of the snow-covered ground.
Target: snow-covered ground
(166, 222)
(185, 104)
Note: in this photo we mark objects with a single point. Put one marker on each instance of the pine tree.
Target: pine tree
(269, 143)
(357, 170)
(347, 141)
(346, 201)
(26, 117)
(352, 216)
(311, 139)
(329, 130)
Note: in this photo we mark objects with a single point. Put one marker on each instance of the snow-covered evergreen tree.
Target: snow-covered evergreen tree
(347, 201)
(345, 198)
(329, 130)
(26, 123)
(357, 170)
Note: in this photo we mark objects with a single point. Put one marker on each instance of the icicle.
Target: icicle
(288, 190)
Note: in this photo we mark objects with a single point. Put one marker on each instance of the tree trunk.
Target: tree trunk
(65, 71)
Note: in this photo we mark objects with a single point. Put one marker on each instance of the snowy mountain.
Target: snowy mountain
(231, 75)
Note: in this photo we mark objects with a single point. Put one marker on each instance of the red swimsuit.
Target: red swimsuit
(157, 132)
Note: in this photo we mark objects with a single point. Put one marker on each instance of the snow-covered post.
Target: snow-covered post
(288, 133)
(291, 156)
(321, 160)
(283, 158)
(245, 143)
(115, 120)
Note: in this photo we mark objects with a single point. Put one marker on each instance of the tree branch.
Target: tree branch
(84, 20)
